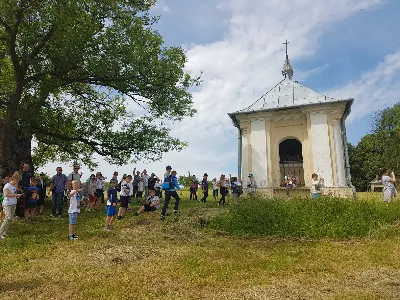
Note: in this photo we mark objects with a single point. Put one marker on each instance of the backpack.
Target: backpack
(238, 189)
(168, 183)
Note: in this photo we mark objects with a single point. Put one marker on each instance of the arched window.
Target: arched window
(290, 150)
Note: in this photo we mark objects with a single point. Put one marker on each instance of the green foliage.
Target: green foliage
(377, 150)
(82, 67)
(332, 218)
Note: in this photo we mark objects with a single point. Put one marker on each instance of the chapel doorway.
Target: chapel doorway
(291, 161)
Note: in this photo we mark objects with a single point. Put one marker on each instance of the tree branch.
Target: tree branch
(39, 47)
(6, 26)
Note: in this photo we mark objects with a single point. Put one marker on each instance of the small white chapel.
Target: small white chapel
(294, 131)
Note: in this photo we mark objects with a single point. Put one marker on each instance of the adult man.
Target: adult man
(170, 182)
(24, 185)
(115, 177)
(74, 176)
(57, 187)
(168, 169)
(135, 182)
(204, 188)
(152, 181)
(145, 177)
(26, 177)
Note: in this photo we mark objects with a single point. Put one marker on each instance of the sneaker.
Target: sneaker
(52, 216)
(162, 218)
(136, 214)
(2, 237)
(176, 212)
(59, 216)
(120, 217)
(72, 237)
(107, 229)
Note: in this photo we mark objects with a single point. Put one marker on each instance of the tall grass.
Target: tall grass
(326, 217)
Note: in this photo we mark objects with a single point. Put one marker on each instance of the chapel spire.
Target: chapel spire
(287, 71)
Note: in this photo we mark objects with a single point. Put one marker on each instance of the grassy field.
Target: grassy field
(145, 258)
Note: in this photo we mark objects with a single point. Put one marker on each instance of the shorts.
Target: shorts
(124, 201)
(92, 199)
(139, 194)
(99, 193)
(31, 204)
(215, 193)
(111, 211)
(72, 218)
(147, 207)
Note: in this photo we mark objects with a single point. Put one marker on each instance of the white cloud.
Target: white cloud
(242, 66)
(375, 90)
(160, 5)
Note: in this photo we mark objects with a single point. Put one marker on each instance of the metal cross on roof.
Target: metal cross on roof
(286, 43)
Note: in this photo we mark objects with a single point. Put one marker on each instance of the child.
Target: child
(139, 193)
(215, 188)
(152, 203)
(126, 188)
(10, 203)
(316, 186)
(237, 189)
(111, 210)
(32, 196)
(42, 186)
(1, 202)
(73, 211)
(91, 191)
(224, 187)
(251, 186)
(158, 188)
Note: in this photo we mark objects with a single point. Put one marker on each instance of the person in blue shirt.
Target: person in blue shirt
(111, 210)
(204, 188)
(171, 192)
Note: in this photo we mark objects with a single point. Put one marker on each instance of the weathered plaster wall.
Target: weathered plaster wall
(321, 151)
(259, 152)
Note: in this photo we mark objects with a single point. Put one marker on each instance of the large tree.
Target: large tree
(377, 150)
(69, 72)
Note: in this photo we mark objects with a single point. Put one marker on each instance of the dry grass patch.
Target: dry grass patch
(144, 258)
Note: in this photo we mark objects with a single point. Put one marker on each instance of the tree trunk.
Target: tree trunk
(15, 145)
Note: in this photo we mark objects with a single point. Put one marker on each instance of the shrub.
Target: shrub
(325, 217)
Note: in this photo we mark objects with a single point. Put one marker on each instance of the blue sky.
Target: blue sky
(342, 48)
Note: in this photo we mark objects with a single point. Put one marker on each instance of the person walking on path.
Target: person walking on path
(204, 188)
(57, 187)
(388, 184)
(169, 186)
(9, 203)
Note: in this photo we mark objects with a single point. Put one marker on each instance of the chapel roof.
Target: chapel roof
(288, 94)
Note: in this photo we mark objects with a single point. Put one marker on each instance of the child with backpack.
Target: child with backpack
(237, 189)
(169, 186)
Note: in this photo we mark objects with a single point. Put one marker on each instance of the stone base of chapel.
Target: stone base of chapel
(303, 192)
